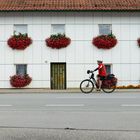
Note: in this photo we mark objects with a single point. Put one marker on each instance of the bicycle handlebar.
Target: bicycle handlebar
(90, 71)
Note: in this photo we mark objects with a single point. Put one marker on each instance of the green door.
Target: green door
(58, 75)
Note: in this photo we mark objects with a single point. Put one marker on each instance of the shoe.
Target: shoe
(98, 89)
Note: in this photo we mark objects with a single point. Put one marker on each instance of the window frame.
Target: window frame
(25, 69)
(52, 29)
(20, 25)
(101, 26)
(110, 65)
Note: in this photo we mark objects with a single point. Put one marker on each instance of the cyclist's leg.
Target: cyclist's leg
(99, 83)
(101, 78)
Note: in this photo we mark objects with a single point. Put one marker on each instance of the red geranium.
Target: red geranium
(138, 41)
(58, 41)
(104, 41)
(19, 42)
(20, 80)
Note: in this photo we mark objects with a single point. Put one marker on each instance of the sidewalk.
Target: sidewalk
(46, 90)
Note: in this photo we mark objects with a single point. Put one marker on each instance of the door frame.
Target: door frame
(65, 75)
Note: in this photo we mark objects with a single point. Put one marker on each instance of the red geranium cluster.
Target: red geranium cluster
(20, 80)
(19, 42)
(58, 41)
(104, 41)
(138, 41)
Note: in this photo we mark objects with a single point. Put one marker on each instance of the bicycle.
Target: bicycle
(87, 85)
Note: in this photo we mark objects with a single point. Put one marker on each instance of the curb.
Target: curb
(45, 90)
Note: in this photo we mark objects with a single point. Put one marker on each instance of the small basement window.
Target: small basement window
(21, 69)
(108, 68)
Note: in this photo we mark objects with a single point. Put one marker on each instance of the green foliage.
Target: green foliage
(57, 36)
(111, 35)
(20, 35)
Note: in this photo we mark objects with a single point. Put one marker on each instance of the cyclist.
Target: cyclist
(101, 73)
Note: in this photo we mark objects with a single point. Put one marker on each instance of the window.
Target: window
(20, 28)
(105, 29)
(21, 69)
(58, 28)
(108, 68)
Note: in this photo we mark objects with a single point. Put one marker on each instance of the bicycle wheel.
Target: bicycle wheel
(109, 89)
(86, 86)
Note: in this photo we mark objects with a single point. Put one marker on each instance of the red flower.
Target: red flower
(19, 42)
(138, 42)
(20, 80)
(104, 41)
(58, 41)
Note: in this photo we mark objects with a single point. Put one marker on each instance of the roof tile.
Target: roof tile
(59, 5)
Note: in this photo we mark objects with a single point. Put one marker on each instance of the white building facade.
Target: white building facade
(66, 67)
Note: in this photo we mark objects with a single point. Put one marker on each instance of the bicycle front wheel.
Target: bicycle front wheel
(86, 86)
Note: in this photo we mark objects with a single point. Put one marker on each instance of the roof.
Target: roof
(69, 5)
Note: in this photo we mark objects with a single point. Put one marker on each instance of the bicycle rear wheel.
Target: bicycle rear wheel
(86, 86)
(109, 89)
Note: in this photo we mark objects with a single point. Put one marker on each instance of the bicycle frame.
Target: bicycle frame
(92, 78)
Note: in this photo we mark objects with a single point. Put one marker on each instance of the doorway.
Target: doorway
(58, 75)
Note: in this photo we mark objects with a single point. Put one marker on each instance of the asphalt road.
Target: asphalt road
(70, 116)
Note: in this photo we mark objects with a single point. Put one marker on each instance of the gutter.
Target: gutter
(70, 10)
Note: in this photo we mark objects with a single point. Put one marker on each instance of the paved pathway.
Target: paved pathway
(46, 90)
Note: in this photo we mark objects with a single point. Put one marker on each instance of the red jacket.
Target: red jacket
(102, 70)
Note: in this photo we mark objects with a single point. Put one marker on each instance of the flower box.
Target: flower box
(58, 41)
(105, 41)
(20, 80)
(19, 42)
(138, 42)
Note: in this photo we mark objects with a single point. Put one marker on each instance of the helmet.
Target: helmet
(99, 61)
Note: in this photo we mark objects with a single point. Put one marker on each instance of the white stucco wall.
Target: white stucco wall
(80, 55)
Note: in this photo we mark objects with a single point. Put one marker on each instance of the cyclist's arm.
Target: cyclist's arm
(96, 69)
